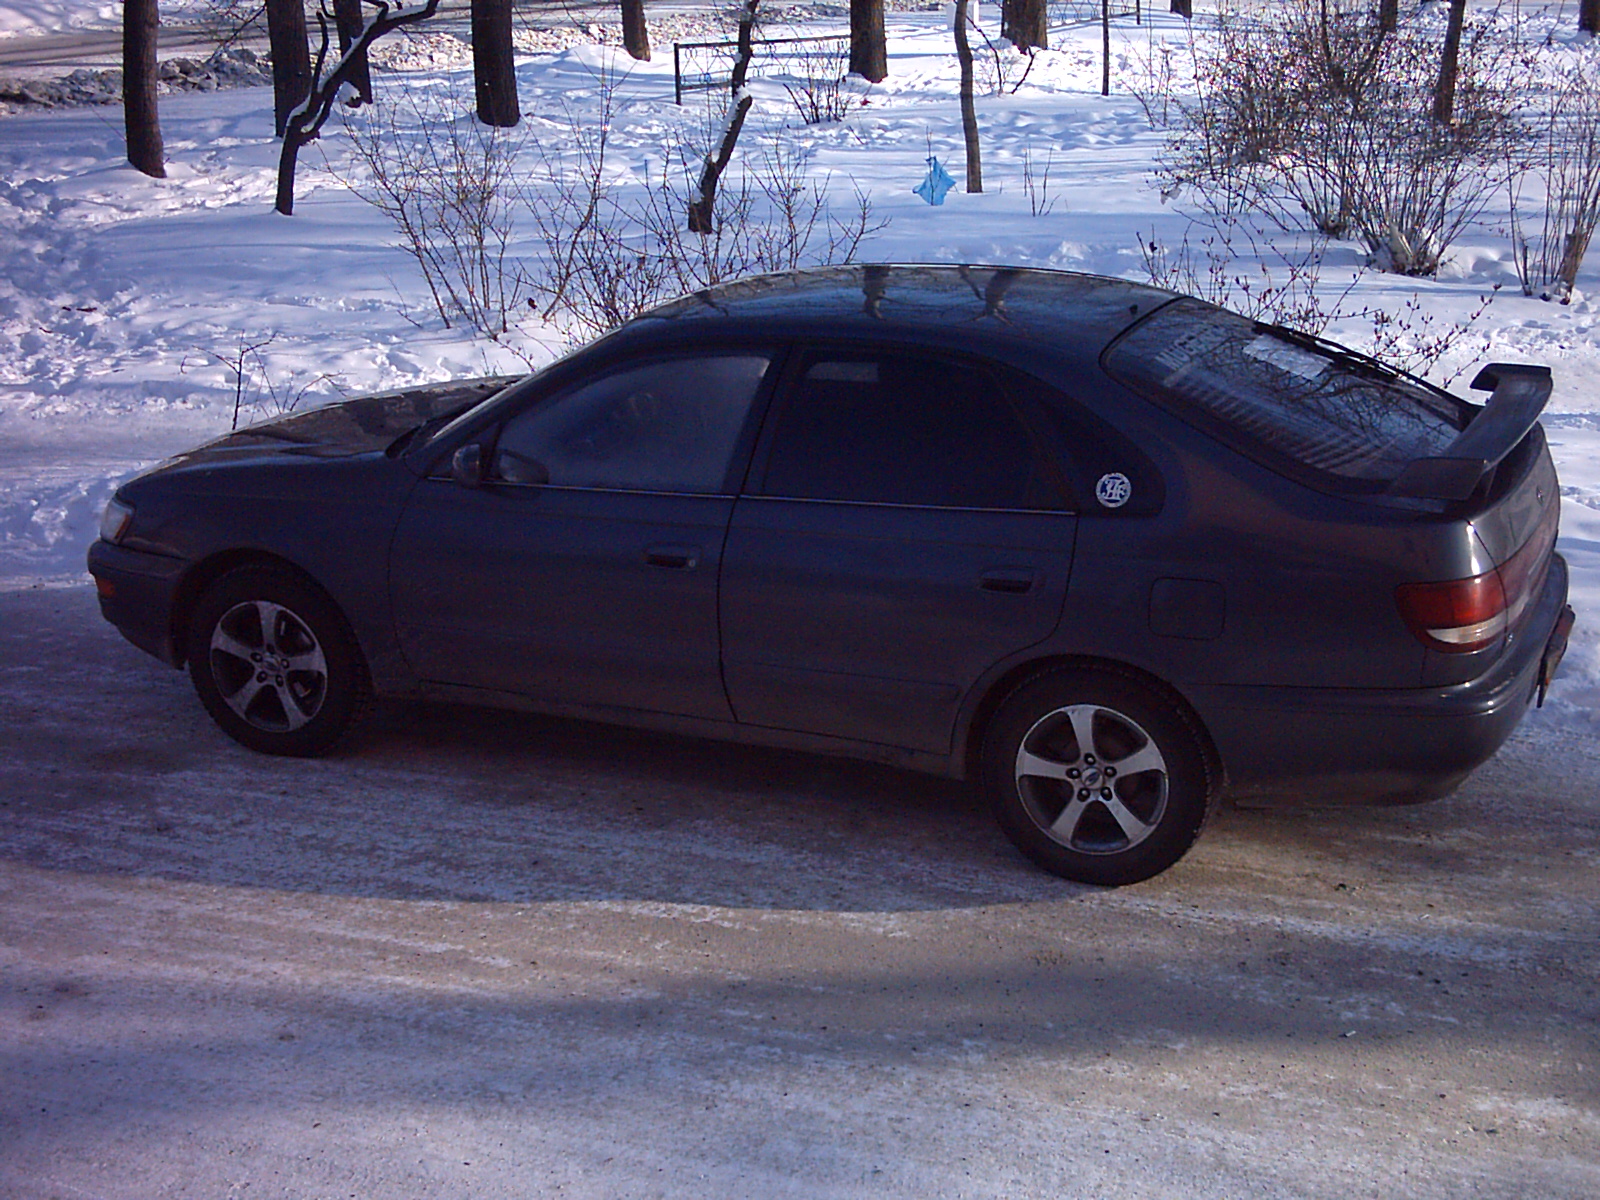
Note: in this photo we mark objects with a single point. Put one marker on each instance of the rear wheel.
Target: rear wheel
(274, 663)
(1095, 777)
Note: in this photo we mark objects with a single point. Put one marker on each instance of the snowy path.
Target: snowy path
(491, 955)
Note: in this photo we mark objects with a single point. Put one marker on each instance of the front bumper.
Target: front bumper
(1282, 745)
(138, 594)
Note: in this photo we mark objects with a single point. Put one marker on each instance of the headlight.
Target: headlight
(115, 520)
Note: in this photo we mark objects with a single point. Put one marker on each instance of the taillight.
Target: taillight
(1459, 616)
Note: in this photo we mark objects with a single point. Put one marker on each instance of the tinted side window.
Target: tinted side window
(900, 429)
(666, 426)
(1102, 469)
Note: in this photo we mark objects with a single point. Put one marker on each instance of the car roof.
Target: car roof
(1064, 311)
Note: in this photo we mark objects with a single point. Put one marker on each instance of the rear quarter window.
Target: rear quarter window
(1350, 424)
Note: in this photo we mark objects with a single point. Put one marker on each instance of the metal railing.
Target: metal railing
(1087, 12)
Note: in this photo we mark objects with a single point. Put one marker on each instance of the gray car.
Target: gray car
(1107, 551)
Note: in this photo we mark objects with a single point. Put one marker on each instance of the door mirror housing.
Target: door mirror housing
(466, 465)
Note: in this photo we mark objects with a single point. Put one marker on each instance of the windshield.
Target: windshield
(1353, 422)
(432, 431)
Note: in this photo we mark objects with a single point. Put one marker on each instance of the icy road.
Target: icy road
(482, 955)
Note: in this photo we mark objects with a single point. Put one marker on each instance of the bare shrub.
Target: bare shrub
(1003, 69)
(1567, 163)
(1036, 182)
(1319, 119)
(814, 77)
(1228, 262)
(1280, 281)
(1155, 79)
(598, 266)
(602, 245)
(448, 184)
(254, 385)
(774, 219)
(611, 248)
(609, 253)
(1413, 183)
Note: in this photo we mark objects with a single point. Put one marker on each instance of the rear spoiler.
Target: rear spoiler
(1519, 394)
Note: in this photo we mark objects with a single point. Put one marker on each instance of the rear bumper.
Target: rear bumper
(137, 593)
(1355, 746)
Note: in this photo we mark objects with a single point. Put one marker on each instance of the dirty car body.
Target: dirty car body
(1108, 551)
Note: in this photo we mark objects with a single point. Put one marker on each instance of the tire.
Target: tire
(1056, 763)
(275, 664)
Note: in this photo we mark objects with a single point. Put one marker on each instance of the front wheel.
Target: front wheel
(1096, 778)
(274, 663)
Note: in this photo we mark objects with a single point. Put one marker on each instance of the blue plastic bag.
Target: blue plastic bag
(933, 188)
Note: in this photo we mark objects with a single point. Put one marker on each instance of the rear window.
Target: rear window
(1353, 424)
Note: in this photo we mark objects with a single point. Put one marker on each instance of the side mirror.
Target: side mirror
(466, 465)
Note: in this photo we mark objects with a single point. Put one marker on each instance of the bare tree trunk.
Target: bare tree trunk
(1022, 23)
(347, 15)
(139, 117)
(869, 50)
(1388, 15)
(291, 58)
(493, 69)
(1589, 16)
(969, 113)
(306, 121)
(1105, 47)
(635, 33)
(702, 209)
(1444, 94)
(1184, 8)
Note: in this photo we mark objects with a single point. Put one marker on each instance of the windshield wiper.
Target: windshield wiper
(1331, 350)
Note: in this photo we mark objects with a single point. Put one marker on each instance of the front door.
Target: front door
(584, 570)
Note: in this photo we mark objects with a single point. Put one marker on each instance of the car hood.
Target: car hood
(359, 426)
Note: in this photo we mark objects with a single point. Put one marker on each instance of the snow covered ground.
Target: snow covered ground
(31, 18)
(25, 17)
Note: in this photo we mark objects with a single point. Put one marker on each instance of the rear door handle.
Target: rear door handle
(673, 558)
(1010, 582)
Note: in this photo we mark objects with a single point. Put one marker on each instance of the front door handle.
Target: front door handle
(1009, 582)
(673, 558)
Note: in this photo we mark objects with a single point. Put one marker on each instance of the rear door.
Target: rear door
(900, 535)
